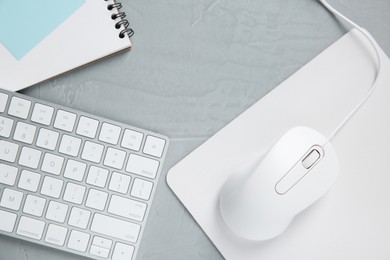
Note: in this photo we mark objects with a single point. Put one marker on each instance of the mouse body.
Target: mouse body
(260, 199)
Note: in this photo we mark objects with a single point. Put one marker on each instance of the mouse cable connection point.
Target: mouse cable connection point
(378, 58)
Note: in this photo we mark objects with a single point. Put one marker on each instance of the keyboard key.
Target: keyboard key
(47, 139)
(114, 158)
(78, 241)
(142, 166)
(30, 227)
(127, 208)
(115, 228)
(3, 102)
(19, 107)
(52, 164)
(99, 251)
(109, 133)
(8, 220)
(42, 114)
(24, 132)
(5, 126)
(75, 170)
(57, 211)
(56, 235)
(132, 140)
(70, 145)
(97, 176)
(11, 199)
(102, 242)
(51, 187)
(123, 252)
(92, 152)
(87, 127)
(34, 205)
(79, 218)
(65, 120)
(119, 182)
(8, 151)
(96, 199)
(29, 181)
(8, 174)
(74, 193)
(154, 146)
(30, 157)
(141, 189)
(67, 177)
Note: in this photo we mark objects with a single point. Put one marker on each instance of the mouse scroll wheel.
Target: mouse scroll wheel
(311, 159)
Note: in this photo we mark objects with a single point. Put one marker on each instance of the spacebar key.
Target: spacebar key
(115, 228)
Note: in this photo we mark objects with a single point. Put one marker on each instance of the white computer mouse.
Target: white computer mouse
(260, 199)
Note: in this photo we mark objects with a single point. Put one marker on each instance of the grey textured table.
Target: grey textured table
(196, 65)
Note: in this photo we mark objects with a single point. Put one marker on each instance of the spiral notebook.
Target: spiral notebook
(46, 38)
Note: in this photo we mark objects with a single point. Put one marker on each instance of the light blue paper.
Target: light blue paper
(25, 23)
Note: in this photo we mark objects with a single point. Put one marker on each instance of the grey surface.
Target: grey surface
(194, 67)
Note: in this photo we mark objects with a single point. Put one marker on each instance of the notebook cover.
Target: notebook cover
(87, 34)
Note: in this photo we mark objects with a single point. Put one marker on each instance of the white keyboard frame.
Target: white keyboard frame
(83, 182)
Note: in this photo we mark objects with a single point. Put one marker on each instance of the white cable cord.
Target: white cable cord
(378, 57)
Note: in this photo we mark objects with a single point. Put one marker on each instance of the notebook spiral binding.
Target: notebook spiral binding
(124, 23)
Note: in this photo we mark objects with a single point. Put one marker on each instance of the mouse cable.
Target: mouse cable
(378, 57)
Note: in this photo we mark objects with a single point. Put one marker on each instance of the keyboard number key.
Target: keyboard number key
(5, 126)
(70, 145)
(24, 132)
(19, 107)
(65, 120)
(3, 102)
(42, 114)
(47, 139)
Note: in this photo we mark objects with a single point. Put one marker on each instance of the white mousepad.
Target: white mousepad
(352, 220)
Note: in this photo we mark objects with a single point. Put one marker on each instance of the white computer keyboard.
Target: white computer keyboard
(74, 181)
